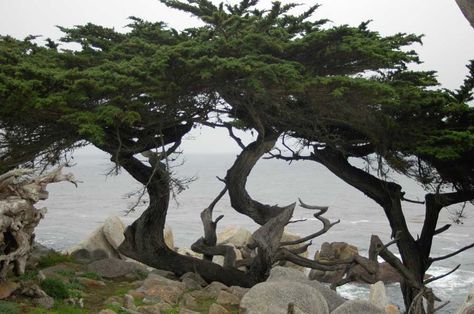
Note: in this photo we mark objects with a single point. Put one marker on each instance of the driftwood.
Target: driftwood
(19, 192)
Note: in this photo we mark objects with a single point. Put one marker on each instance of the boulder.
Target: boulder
(195, 277)
(332, 252)
(358, 307)
(115, 268)
(468, 306)
(274, 298)
(238, 291)
(392, 309)
(106, 239)
(214, 288)
(184, 310)
(217, 309)
(97, 241)
(335, 251)
(167, 290)
(113, 230)
(189, 302)
(154, 308)
(7, 288)
(279, 273)
(235, 235)
(46, 302)
(378, 296)
(227, 298)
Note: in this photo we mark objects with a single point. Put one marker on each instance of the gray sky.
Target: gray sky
(448, 42)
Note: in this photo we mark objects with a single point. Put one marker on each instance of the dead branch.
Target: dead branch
(286, 255)
(427, 281)
(442, 229)
(326, 224)
(207, 245)
(440, 258)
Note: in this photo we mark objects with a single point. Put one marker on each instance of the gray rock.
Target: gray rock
(167, 290)
(184, 310)
(189, 302)
(114, 268)
(225, 298)
(274, 297)
(113, 230)
(214, 288)
(217, 309)
(235, 235)
(47, 302)
(279, 273)
(195, 277)
(191, 284)
(358, 307)
(378, 296)
(164, 273)
(154, 309)
(238, 291)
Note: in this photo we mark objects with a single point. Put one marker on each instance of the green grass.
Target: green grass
(54, 258)
(91, 275)
(28, 275)
(59, 308)
(55, 288)
(173, 310)
(69, 273)
(9, 307)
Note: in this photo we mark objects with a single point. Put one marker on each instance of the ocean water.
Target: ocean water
(74, 212)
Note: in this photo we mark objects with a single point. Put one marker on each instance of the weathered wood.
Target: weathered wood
(19, 192)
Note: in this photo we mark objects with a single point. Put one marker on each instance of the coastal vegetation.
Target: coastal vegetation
(305, 90)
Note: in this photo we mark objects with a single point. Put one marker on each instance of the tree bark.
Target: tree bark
(388, 195)
(236, 180)
(144, 239)
(467, 8)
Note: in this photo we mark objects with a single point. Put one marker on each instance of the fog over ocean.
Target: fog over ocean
(73, 213)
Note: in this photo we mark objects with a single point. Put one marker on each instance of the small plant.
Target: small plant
(55, 288)
(28, 275)
(91, 275)
(66, 273)
(9, 307)
(54, 258)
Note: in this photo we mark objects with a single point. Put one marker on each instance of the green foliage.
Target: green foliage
(55, 288)
(54, 258)
(7, 307)
(29, 275)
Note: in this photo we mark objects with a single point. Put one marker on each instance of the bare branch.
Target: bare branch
(326, 224)
(427, 281)
(287, 255)
(442, 229)
(440, 258)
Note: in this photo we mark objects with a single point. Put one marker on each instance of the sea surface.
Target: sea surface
(73, 213)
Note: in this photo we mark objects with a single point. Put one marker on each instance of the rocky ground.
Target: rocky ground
(94, 278)
(59, 284)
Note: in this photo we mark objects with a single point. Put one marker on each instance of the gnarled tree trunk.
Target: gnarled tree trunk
(467, 8)
(144, 239)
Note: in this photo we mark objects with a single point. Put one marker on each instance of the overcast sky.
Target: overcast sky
(448, 42)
